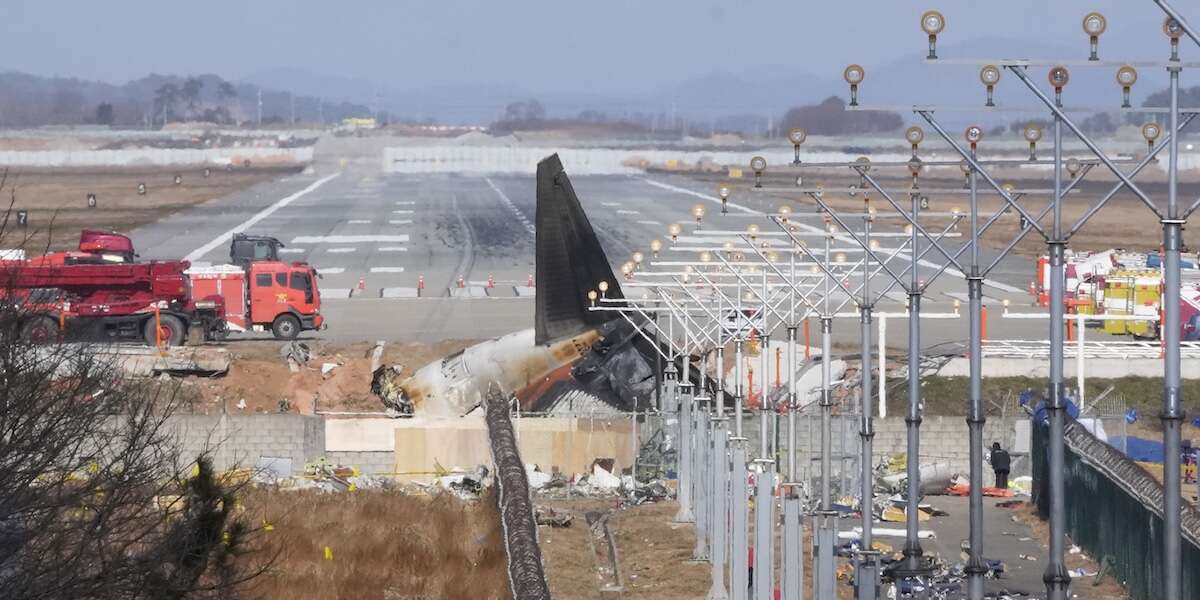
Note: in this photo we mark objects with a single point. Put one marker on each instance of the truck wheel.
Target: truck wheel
(39, 330)
(170, 330)
(286, 327)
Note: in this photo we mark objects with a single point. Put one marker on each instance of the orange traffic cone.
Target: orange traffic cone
(362, 284)
(529, 282)
(491, 281)
(421, 282)
(461, 282)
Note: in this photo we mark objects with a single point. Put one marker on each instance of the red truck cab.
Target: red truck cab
(284, 297)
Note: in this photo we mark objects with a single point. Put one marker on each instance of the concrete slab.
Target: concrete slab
(399, 292)
(335, 293)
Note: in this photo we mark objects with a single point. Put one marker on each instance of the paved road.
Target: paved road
(394, 233)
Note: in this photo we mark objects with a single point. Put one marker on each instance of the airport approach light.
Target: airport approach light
(1174, 31)
(839, 258)
(1073, 167)
(655, 247)
(1126, 77)
(705, 256)
(723, 192)
(1151, 131)
(674, 229)
(1033, 134)
(973, 135)
(592, 295)
(990, 76)
(698, 212)
(603, 285)
(1059, 76)
(785, 212)
(932, 23)
(854, 75)
(797, 137)
(752, 231)
(728, 248)
(1094, 25)
(758, 164)
(638, 257)
(915, 135)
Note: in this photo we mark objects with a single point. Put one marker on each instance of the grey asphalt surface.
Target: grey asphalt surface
(390, 232)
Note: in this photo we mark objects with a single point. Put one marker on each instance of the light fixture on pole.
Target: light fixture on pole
(655, 247)
(1073, 167)
(965, 167)
(638, 257)
(1059, 76)
(752, 231)
(1174, 31)
(1033, 134)
(1126, 77)
(990, 76)
(973, 135)
(698, 213)
(914, 168)
(797, 137)
(674, 229)
(853, 75)
(1151, 131)
(785, 212)
(603, 286)
(592, 297)
(758, 164)
(915, 135)
(1094, 24)
(932, 23)
(723, 193)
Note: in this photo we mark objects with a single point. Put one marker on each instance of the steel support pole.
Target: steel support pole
(702, 496)
(739, 377)
(739, 556)
(793, 547)
(975, 568)
(720, 517)
(866, 576)
(914, 555)
(824, 574)
(1056, 578)
(764, 414)
(686, 441)
(764, 531)
(1172, 413)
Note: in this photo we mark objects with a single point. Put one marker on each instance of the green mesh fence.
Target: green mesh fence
(1113, 511)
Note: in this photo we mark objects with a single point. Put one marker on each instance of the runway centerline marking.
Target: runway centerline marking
(387, 269)
(331, 270)
(262, 214)
(393, 248)
(350, 239)
(400, 222)
(402, 212)
(340, 250)
(509, 203)
(359, 221)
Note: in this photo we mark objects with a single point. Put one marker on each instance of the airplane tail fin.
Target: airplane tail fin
(569, 259)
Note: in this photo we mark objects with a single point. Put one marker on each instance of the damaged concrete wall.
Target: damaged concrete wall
(244, 440)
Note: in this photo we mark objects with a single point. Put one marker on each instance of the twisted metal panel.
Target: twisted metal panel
(526, 576)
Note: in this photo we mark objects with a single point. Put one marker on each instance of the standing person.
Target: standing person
(1000, 464)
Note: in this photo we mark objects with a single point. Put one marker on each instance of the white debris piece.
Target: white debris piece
(602, 479)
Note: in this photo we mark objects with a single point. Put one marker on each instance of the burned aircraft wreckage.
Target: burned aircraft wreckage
(573, 360)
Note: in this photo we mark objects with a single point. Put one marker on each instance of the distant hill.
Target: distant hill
(31, 101)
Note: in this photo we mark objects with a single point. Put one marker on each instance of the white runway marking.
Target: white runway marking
(626, 211)
(340, 250)
(402, 212)
(610, 204)
(262, 214)
(400, 222)
(405, 202)
(649, 223)
(349, 239)
(811, 229)
(507, 202)
(387, 269)
(330, 270)
(292, 250)
(359, 221)
(393, 248)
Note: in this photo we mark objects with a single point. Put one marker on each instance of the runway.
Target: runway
(392, 248)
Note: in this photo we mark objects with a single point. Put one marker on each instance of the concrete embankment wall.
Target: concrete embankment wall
(141, 157)
(414, 447)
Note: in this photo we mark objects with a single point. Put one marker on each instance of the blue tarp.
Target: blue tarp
(1140, 449)
(1153, 261)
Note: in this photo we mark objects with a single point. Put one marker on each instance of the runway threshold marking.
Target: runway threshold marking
(809, 228)
(220, 240)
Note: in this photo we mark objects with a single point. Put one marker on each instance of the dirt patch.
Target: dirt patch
(1107, 587)
(58, 208)
(381, 545)
(260, 377)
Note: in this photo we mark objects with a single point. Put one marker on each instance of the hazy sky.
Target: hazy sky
(606, 46)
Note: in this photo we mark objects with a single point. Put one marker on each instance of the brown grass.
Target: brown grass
(1108, 588)
(57, 200)
(385, 545)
